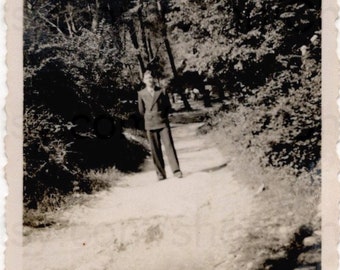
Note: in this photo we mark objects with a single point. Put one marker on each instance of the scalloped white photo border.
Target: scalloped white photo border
(337, 23)
(330, 135)
(3, 160)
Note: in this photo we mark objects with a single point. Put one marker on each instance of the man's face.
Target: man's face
(148, 80)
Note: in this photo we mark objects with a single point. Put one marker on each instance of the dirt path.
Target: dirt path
(190, 223)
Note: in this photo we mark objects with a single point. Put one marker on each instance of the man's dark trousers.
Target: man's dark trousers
(156, 137)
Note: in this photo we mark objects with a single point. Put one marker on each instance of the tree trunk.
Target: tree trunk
(206, 98)
(165, 38)
(221, 94)
(132, 31)
(69, 28)
(205, 93)
(170, 55)
(218, 86)
(95, 17)
(150, 48)
(186, 103)
(73, 27)
(69, 20)
(142, 27)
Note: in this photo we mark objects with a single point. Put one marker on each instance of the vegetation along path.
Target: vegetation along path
(189, 223)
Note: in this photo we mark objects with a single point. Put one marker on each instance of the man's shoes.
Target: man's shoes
(161, 178)
(178, 174)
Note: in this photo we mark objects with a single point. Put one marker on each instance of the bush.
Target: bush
(56, 163)
(46, 148)
(279, 129)
(272, 74)
(269, 43)
(63, 82)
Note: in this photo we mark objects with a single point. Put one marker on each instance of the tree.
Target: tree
(161, 5)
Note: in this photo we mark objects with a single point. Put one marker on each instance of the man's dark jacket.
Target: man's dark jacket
(155, 109)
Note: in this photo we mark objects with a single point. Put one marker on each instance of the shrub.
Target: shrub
(46, 149)
(273, 112)
(279, 129)
(56, 163)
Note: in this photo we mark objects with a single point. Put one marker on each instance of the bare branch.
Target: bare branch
(51, 23)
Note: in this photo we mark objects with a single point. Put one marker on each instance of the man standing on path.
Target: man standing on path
(154, 105)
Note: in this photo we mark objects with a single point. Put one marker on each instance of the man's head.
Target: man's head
(148, 79)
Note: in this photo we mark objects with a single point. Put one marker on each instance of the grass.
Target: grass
(45, 214)
(103, 178)
(285, 203)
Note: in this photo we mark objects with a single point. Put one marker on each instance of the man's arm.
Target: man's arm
(141, 106)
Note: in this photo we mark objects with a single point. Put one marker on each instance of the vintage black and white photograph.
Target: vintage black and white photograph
(171, 135)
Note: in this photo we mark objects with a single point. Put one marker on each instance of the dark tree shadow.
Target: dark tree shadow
(290, 261)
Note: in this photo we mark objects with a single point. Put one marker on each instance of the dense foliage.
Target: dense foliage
(269, 68)
(83, 63)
